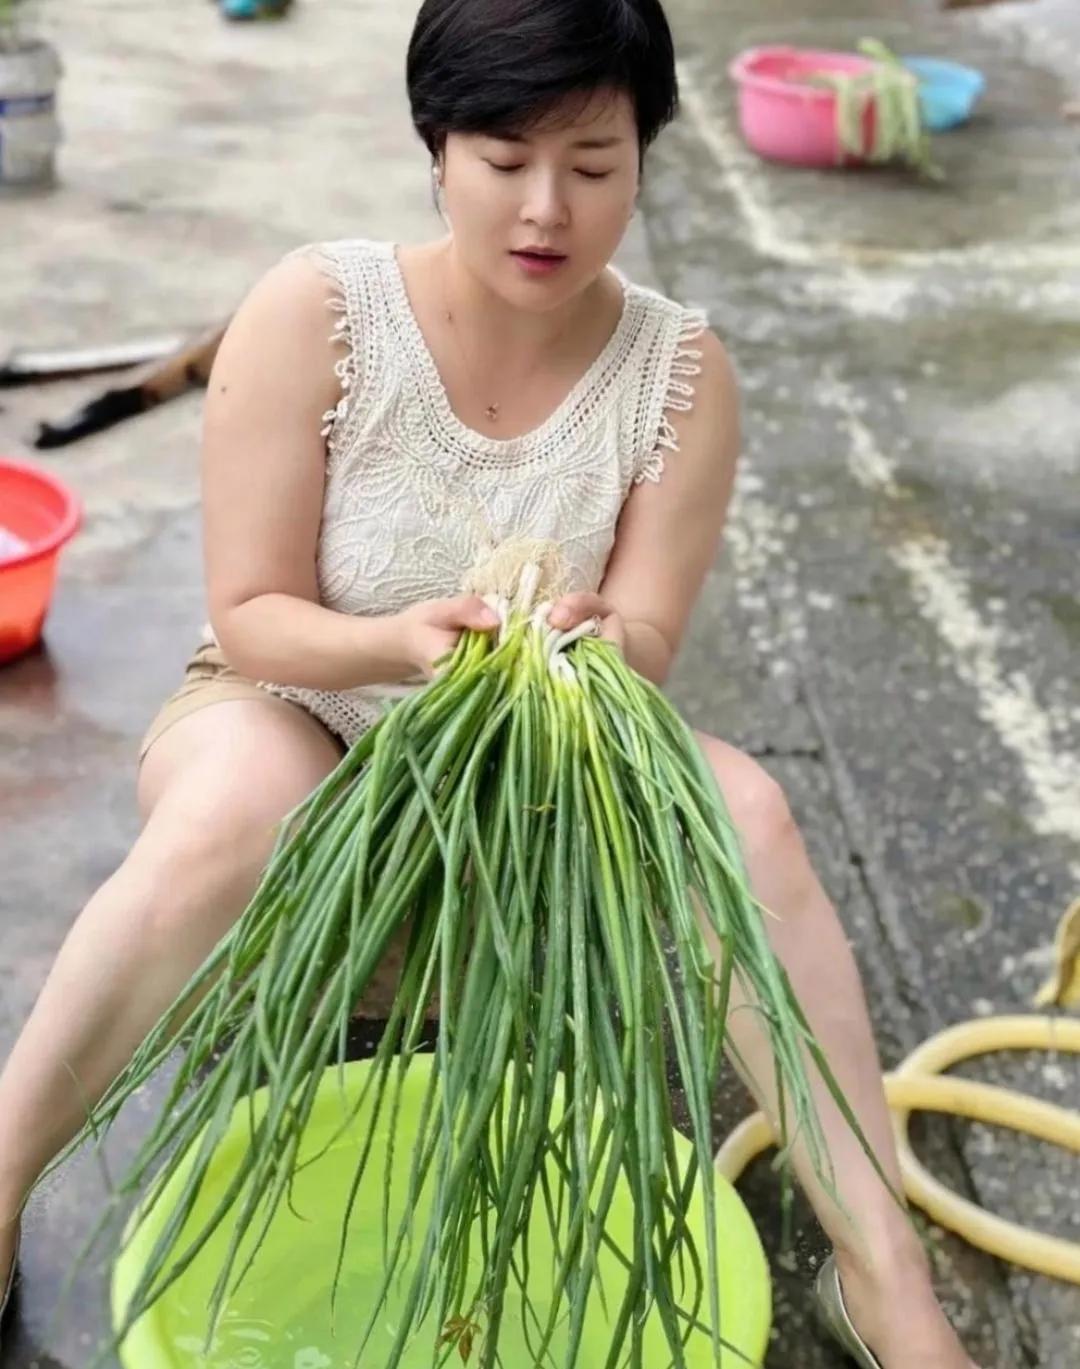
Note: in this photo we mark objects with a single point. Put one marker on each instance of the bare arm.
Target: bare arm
(262, 475)
(669, 533)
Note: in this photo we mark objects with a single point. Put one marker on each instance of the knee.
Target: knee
(763, 817)
(758, 805)
(194, 877)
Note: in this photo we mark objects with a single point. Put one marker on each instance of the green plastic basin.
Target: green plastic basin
(280, 1316)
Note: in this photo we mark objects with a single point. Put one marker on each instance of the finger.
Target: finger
(575, 608)
(470, 611)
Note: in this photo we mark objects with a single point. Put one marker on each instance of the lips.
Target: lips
(540, 260)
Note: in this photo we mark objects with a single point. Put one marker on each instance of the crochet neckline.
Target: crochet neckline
(427, 370)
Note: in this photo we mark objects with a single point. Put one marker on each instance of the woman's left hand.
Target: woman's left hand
(572, 609)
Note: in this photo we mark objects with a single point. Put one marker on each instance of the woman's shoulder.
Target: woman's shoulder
(684, 385)
(336, 256)
(648, 297)
(681, 330)
(324, 273)
(298, 278)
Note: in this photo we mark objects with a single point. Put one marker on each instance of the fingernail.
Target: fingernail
(560, 618)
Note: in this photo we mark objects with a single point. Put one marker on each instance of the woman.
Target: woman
(503, 380)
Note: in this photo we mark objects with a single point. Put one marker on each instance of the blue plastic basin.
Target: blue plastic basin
(948, 92)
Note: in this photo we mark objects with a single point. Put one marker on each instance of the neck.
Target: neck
(499, 329)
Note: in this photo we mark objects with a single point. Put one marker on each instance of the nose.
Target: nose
(545, 203)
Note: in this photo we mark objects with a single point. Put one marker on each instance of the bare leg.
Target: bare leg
(883, 1268)
(212, 789)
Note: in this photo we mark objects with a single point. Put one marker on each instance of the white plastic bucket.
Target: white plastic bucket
(29, 129)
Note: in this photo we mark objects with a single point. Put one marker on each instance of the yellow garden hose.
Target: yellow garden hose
(917, 1084)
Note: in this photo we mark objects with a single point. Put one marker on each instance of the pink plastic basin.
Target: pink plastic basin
(43, 514)
(782, 116)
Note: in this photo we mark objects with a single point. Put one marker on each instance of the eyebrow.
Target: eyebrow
(582, 143)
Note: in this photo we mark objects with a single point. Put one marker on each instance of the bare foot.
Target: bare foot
(900, 1319)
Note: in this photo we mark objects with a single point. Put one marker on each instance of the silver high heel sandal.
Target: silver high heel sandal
(10, 1287)
(834, 1314)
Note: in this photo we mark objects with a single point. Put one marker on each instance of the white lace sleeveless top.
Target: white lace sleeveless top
(414, 498)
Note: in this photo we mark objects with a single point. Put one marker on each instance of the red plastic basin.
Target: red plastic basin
(43, 514)
(786, 119)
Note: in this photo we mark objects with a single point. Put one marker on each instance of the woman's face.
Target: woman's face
(567, 187)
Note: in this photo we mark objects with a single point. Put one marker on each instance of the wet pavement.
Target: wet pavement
(893, 627)
(904, 555)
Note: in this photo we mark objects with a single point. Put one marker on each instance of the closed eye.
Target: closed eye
(595, 175)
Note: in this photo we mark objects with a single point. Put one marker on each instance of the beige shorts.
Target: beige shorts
(209, 679)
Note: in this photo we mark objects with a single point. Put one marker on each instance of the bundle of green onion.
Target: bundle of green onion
(544, 816)
(893, 91)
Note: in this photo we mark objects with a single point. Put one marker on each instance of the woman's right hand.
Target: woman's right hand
(432, 628)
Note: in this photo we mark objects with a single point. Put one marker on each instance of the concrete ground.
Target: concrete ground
(893, 626)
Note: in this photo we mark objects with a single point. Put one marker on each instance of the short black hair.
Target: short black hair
(501, 66)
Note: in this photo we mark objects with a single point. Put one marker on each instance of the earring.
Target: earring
(437, 188)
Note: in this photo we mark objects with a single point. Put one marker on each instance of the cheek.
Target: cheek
(631, 191)
(481, 203)
(616, 198)
(608, 215)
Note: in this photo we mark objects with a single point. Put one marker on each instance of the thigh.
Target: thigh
(235, 757)
(213, 790)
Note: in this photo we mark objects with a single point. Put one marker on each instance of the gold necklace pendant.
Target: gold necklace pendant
(491, 413)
